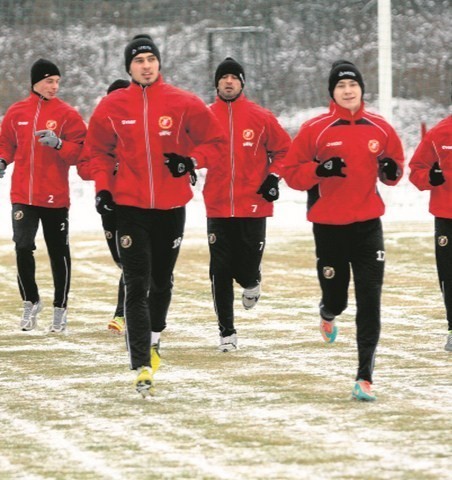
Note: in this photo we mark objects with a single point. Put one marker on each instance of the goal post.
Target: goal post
(385, 59)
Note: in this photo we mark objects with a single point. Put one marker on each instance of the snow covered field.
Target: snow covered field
(279, 408)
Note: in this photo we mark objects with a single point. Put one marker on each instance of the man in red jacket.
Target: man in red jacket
(239, 193)
(338, 157)
(117, 324)
(157, 134)
(431, 169)
(43, 136)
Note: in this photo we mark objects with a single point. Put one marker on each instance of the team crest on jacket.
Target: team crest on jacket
(18, 215)
(374, 146)
(165, 122)
(51, 124)
(329, 272)
(248, 134)
(443, 240)
(126, 241)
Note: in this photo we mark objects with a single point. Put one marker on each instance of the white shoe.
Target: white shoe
(250, 296)
(29, 318)
(448, 346)
(228, 344)
(59, 320)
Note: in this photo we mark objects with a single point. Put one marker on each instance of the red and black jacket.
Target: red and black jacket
(257, 145)
(436, 146)
(133, 127)
(40, 175)
(360, 140)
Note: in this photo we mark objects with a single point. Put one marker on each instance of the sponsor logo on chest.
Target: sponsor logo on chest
(373, 145)
(165, 124)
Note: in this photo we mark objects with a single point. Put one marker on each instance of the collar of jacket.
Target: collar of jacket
(345, 113)
(134, 84)
(235, 99)
(239, 98)
(38, 96)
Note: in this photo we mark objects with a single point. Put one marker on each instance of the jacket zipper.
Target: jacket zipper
(148, 150)
(231, 149)
(32, 153)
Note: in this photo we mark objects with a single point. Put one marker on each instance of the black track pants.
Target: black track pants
(149, 244)
(359, 245)
(236, 248)
(109, 225)
(55, 227)
(443, 254)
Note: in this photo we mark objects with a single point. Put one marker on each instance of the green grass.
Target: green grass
(279, 408)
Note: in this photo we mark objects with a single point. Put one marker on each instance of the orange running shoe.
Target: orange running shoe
(363, 391)
(117, 326)
(328, 329)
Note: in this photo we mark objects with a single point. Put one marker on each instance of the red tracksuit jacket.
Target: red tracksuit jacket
(436, 146)
(360, 139)
(133, 127)
(40, 175)
(257, 146)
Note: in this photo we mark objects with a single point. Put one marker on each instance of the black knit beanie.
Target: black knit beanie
(42, 69)
(142, 35)
(140, 44)
(344, 69)
(229, 65)
(119, 83)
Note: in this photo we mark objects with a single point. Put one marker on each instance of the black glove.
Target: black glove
(331, 168)
(49, 139)
(436, 176)
(388, 168)
(104, 202)
(269, 188)
(178, 165)
(2, 167)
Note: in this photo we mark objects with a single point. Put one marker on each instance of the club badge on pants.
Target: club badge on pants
(126, 241)
(328, 272)
(18, 215)
(443, 241)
